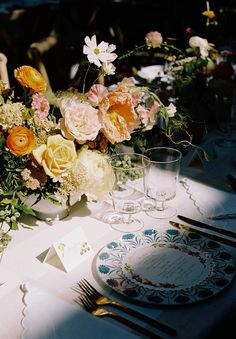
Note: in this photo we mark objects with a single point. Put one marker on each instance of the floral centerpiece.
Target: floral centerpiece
(188, 68)
(56, 145)
(190, 77)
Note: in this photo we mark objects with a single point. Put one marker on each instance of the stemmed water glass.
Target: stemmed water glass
(130, 170)
(161, 181)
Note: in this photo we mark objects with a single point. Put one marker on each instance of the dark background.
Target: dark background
(124, 23)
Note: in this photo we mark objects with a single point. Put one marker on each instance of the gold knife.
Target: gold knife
(206, 226)
(213, 237)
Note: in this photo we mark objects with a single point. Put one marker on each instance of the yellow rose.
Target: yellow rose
(20, 140)
(29, 77)
(57, 156)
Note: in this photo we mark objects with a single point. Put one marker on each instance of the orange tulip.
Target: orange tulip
(29, 77)
(117, 116)
(20, 140)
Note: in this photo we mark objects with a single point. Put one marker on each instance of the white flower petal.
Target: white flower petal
(93, 43)
(86, 49)
(111, 48)
(94, 60)
(103, 46)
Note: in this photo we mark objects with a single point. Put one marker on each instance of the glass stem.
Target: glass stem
(161, 202)
(127, 218)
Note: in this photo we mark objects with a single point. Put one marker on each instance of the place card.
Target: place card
(196, 160)
(69, 251)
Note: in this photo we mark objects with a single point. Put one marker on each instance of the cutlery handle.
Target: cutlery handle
(224, 216)
(155, 323)
(134, 326)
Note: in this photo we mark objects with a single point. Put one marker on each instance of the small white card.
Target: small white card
(196, 160)
(69, 251)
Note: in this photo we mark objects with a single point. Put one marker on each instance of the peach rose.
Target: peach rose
(29, 77)
(80, 120)
(117, 116)
(20, 140)
(57, 156)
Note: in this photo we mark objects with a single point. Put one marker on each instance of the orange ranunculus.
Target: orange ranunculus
(29, 77)
(20, 140)
(117, 116)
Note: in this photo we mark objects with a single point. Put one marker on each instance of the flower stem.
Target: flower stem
(166, 45)
(129, 53)
(85, 76)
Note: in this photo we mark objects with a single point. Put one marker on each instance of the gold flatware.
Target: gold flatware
(207, 235)
(206, 226)
(101, 300)
(98, 311)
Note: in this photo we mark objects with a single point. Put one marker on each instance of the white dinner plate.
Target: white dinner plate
(150, 73)
(165, 267)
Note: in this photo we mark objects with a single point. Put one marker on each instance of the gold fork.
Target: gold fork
(85, 287)
(98, 311)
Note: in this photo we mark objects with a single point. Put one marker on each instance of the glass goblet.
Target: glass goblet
(128, 192)
(161, 181)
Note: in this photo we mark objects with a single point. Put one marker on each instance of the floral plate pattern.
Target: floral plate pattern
(169, 267)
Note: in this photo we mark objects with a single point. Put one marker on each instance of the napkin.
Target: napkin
(47, 316)
(210, 202)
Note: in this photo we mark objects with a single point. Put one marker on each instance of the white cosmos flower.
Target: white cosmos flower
(108, 68)
(98, 53)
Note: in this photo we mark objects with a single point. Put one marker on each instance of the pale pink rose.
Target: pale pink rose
(153, 39)
(96, 94)
(80, 120)
(41, 106)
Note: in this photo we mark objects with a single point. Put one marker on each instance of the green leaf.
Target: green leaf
(26, 210)
(8, 201)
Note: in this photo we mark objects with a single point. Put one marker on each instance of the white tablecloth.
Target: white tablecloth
(35, 292)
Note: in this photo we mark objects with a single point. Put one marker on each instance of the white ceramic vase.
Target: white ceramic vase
(48, 211)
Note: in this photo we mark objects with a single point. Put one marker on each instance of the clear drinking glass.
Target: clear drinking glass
(161, 181)
(128, 192)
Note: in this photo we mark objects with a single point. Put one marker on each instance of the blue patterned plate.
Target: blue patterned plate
(169, 267)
